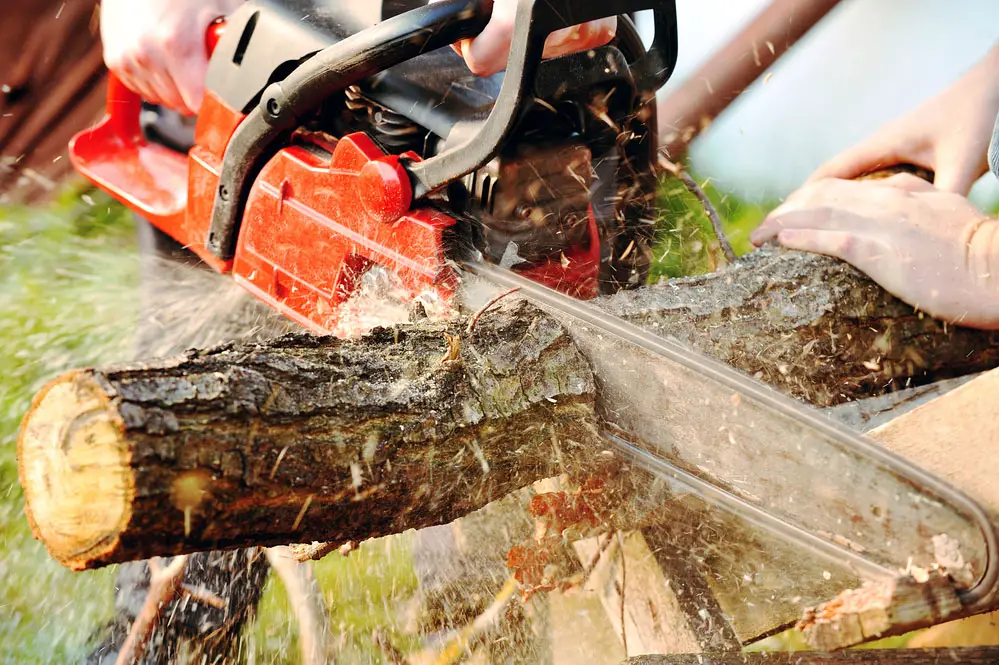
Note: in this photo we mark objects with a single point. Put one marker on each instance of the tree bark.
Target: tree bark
(303, 438)
(809, 325)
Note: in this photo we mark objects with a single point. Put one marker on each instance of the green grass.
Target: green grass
(365, 592)
(685, 241)
(67, 298)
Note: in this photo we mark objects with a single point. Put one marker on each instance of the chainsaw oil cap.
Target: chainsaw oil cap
(384, 189)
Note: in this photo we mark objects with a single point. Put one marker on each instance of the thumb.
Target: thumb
(856, 161)
(958, 177)
(189, 76)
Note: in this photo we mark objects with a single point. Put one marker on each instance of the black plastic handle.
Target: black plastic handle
(535, 20)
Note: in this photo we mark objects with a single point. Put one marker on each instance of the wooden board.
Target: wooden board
(955, 436)
(968, 656)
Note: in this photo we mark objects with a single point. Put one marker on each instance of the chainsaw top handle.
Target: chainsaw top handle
(283, 104)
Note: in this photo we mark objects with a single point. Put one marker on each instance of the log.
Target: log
(809, 325)
(303, 438)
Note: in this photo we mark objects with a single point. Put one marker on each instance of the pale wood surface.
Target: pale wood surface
(956, 436)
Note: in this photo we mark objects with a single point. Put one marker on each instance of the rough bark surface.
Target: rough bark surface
(811, 326)
(277, 440)
(304, 438)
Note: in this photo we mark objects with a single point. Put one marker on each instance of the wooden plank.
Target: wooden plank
(654, 621)
(701, 610)
(954, 436)
(965, 656)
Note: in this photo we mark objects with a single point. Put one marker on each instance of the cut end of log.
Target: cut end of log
(76, 475)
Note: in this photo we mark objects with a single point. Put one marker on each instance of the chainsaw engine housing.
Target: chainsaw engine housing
(298, 209)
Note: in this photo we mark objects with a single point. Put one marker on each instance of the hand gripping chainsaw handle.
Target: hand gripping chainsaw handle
(124, 105)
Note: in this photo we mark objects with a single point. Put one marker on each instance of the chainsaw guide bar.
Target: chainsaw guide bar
(762, 456)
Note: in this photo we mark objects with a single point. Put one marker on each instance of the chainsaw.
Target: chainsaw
(331, 141)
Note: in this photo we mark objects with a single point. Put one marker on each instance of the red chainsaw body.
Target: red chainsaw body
(321, 212)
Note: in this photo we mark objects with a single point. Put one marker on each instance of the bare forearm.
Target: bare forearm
(983, 266)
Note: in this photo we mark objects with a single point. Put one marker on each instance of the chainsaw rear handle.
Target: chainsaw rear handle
(124, 105)
(330, 71)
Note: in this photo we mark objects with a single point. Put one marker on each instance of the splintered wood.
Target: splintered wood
(880, 608)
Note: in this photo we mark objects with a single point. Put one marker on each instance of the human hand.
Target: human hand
(487, 53)
(948, 134)
(157, 47)
(932, 249)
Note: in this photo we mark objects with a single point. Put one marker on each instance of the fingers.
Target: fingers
(907, 182)
(866, 158)
(789, 219)
(580, 37)
(959, 177)
(488, 53)
(163, 88)
(835, 205)
(839, 244)
(188, 76)
(157, 48)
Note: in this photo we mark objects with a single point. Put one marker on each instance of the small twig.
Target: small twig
(307, 603)
(709, 208)
(203, 596)
(315, 551)
(164, 586)
(602, 547)
(459, 643)
(624, 580)
(475, 317)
